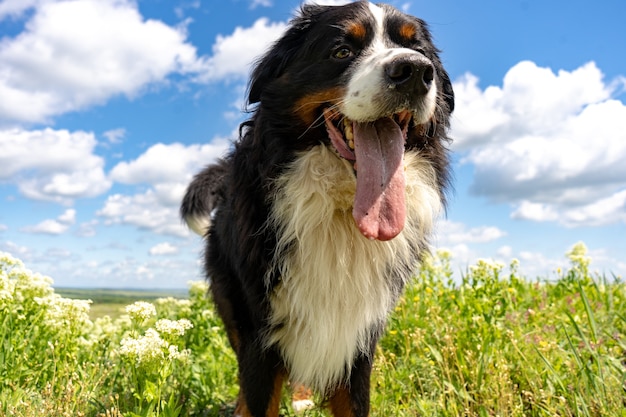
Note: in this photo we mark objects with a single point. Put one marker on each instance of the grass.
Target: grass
(111, 302)
(494, 344)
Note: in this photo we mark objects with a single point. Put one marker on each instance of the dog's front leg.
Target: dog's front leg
(261, 377)
(353, 399)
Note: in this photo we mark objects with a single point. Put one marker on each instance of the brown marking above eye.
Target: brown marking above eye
(407, 32)
(358, 31)
(307, 105)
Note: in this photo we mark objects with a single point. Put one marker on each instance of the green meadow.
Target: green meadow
(494, 344)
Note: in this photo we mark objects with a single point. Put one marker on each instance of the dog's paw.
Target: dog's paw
(302, 405)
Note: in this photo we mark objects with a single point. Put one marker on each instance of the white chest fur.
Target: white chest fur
(336, 284)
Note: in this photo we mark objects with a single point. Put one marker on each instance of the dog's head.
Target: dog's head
(366, 80)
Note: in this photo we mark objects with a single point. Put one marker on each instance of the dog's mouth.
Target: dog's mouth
(376, 149)
(341, 131)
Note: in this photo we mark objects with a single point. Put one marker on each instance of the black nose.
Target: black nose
(410, 74)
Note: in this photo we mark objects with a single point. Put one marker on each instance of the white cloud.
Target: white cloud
(115, 135)
(167, 170)
(550, 144)
(3, 227)
(160, 272)
(23, 253)
(171, 163)
(54, 226)
(234, 54)
(77, 53)
(145, 211)
(181, 10)
(329, 2)
(164, 248)
(450, 233)
(263, 3)
(16, 8)
(68, 217)
(505, 252)
(87, 229)
(539, 212)
(52, 165)
(538, 265)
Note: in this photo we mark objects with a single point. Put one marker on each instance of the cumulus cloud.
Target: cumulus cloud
(234, 54)
(74, 54)
(166, 163)
(54, 226)
(77, 53)
(451, 233)
(22, 252)
(144, 211)
(164, 248)
(167, 170)
(115, 136)
(52, 165)
(551, 145)
(16, 8)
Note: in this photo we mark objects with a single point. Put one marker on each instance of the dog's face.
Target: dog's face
(366, 80)
(369, 60)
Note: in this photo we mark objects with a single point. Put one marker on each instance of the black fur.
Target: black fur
(240, 187)
(206, 191)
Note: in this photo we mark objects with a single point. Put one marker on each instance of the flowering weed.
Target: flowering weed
(494, 343)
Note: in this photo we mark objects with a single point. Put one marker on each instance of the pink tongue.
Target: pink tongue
(379, 206)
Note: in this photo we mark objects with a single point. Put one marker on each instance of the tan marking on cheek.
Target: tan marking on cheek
(306, 106)
(407, 31)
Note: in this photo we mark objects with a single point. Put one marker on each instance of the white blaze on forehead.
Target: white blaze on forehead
(379, 18)
(367, 85)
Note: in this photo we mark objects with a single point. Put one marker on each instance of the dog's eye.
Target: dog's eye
(343, 52)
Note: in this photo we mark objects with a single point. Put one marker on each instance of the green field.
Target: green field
(111, 302)
(493, 344)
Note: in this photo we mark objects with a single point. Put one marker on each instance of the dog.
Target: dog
(322, 210)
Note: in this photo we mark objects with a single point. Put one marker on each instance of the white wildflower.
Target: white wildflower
(141, 310)
(171, 303)
(147, 350)
(175, 354)
(6, 295)
(198, 287)
(173, 327)
(488, 263)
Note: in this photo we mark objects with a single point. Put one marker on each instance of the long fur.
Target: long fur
(337, 285)
(302, 292)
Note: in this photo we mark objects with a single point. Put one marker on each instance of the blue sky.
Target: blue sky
(108, 107)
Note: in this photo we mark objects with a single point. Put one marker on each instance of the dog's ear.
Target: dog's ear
(448, 91)
(433, 55)
(272, 65)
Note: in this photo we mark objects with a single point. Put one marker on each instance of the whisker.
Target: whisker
(319, 121)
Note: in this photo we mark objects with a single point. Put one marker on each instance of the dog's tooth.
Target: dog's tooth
(349, 133)
(351, 144)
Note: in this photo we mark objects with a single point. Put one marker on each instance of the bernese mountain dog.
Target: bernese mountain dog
(320, 213)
